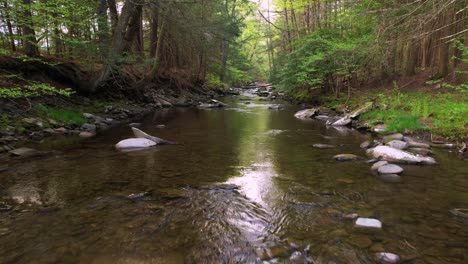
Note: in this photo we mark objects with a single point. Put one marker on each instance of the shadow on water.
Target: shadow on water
(244, 185)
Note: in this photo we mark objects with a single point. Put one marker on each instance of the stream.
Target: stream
(244, 185)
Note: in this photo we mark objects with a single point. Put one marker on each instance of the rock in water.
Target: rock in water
(25, 152)
(135, 143)
(345, 157)
(399, 156)
(385, 257)
(378, 164)
(390, 169)
(323, 146)
(306, 113)
(368, 223)
(342, 122)
(140, 134)
(398, 144)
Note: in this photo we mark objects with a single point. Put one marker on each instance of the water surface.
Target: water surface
(244, 185)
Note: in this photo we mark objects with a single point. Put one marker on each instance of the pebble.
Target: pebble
(160, 126)
(89, 127)
(385, 257)
(351, 216)
(390, 169)
(368, 223)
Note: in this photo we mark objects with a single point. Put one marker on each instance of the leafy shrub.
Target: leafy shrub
(33, 90)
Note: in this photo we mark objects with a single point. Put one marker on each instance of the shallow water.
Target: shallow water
(244, 185)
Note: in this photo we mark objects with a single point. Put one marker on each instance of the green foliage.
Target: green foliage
(214, 82)
(462, 87)
(65, 116)
(4, 120)
(33, 89)
(442, 114)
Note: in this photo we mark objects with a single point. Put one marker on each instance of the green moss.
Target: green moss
(65, 116)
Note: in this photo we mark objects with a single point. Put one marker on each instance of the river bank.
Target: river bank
(47, 97)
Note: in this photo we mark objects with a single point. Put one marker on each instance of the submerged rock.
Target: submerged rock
(345, 157)
(275, 107)
(384, 257)
(399, 156)
(323, 146)
(135, 143)
(307, 113)
(390, 169)
(390, 178)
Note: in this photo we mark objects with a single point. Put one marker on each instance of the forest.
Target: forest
(309, 49)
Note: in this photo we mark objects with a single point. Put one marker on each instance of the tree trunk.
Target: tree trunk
(29, 35)
(9, 26)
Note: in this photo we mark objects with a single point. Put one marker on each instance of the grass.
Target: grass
(65, 116)
(442, 114)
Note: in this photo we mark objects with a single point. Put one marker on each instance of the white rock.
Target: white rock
(306, 113)
(385, 257)
(368, 223)
(133, 143)
(343, 121)
(399, 156)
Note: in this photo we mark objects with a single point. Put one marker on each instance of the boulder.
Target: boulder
(322, 117)
(368, 223)
(140, 134)
(361, 110)
(378, 164)
(135, 143)
(345, 157)
(307, 113)
(342, 121)
(391, 137)
(390, 178)
(390, 169)
(399, 156)
(134, 124)
(397, 144)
